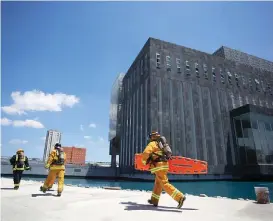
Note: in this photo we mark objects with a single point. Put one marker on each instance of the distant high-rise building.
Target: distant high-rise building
(114, 127)
(115, 106)
(52, 137)
(75, 155)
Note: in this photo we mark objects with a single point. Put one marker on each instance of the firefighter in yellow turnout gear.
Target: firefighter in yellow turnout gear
(158, 160)
(19, 163)
(56, 165)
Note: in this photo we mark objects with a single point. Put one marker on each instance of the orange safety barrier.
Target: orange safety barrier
(177, 165)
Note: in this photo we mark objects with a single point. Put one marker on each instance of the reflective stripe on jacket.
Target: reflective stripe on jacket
(14, 162)
(153, 151)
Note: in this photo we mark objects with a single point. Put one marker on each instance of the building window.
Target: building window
(213, 74)
(244, 81)
(187, 67)
(247, 100)
(263, 86)
(229, 77)
(168, 62)
(268, 127)
(250, 83)
(157, 60)
(240, 100)
(266, 104)
(232, 100)
(237, 80)
(261, 103)
(269, 88)
(222, 76)
(205, 71)
(254, 101)
(197, 70)
(178, 65)
(77, 170)
(257, 83)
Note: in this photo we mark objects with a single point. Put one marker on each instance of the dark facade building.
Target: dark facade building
(213, 107)
(253, 138)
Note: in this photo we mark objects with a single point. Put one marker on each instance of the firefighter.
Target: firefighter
(50, 186)
(157, 158)
(56, 165)
(20, 163)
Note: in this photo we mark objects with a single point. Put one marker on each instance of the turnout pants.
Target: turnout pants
(50, 185)
(51, 178)
(162, 183)
(17, 175)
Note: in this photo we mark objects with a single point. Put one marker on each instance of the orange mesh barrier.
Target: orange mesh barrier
(177, 165)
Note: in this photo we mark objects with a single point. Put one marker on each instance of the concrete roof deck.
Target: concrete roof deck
(98, 204)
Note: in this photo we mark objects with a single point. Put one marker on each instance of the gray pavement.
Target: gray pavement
(97, 204)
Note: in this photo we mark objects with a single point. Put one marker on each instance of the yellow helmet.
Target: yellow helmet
(20, 150)
(154, 135)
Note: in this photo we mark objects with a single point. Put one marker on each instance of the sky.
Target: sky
(60, 60)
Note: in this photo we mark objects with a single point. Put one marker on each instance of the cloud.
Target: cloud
(99, 143)
(28, 123)
(22, 123)
(93, 125)
(18, 141)
(78, 145)
(87, 137)
(101, 139)
(81, 127)
(5, 122)
(39, 101)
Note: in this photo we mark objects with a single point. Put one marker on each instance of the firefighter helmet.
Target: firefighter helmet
(154, 135)
(57, 146)
(20, 150)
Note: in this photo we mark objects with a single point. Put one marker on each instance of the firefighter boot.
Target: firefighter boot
(16, 187)
(42, 189)
(181, 202)
(152, 203)
(59, 194)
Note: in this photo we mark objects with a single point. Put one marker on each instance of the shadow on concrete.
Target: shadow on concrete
(7, 188)
(42, 194)
(135, 206)
(255, 202)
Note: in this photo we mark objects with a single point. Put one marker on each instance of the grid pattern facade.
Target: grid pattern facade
(244, 58)
(75, 155)
(253, 133)
(186, 95)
